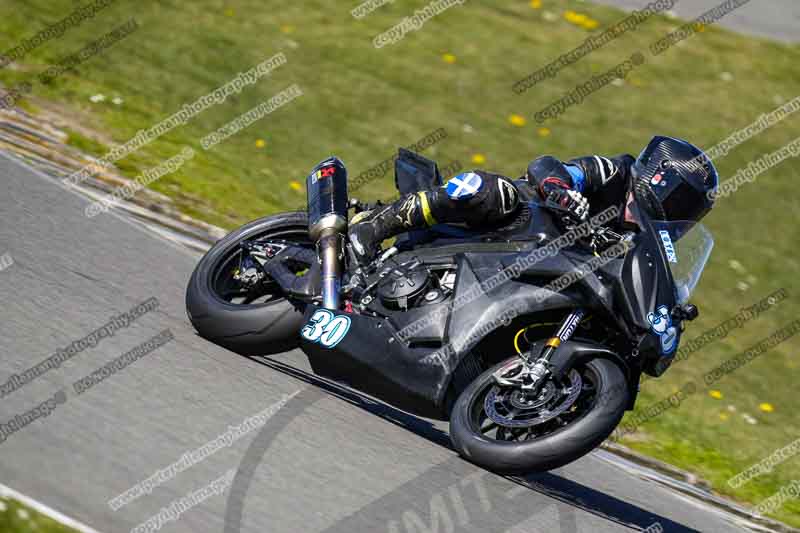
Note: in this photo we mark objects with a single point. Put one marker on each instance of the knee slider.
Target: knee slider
(495, 202)
(475, 198)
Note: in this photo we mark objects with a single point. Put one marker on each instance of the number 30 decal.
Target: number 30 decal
(326, 328)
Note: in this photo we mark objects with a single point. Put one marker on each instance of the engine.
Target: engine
(413, 284)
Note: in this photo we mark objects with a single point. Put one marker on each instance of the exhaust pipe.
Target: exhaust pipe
(327, 224)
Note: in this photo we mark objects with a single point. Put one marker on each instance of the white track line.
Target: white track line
(7, 492)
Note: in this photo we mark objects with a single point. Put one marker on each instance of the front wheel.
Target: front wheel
(509, 431)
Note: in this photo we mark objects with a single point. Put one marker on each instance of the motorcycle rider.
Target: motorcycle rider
(670, 180)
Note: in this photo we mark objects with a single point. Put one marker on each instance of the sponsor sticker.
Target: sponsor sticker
(661, 325)
(666, 240)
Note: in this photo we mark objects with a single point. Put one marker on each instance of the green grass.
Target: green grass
(18, 518)
(361, 103)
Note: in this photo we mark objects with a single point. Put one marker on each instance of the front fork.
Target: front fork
(530, 373)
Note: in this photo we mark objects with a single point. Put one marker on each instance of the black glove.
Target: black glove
(568, 202)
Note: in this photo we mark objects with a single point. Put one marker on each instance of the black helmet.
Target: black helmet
(672, 179)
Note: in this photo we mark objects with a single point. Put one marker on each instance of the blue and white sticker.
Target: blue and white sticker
(666, 240)
(661, 325)
(464, 186)
(326, 328)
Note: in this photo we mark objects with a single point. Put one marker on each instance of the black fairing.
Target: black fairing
(646, 283)
(371, 358)
(416, 370)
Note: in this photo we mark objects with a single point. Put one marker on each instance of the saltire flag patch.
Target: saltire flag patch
(464, 186)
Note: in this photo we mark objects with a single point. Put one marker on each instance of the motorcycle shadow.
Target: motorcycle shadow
(572, 495)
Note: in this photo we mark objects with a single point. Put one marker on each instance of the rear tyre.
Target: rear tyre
(259, 323)
(513, 438)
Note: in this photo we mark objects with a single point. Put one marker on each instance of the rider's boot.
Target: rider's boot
(369, 228)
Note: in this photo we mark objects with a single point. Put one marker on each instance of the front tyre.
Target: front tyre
(503, 430)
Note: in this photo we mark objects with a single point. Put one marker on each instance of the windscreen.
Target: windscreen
(688, 246)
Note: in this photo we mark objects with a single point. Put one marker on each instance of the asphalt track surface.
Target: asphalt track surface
(775, 19)
(328, 460)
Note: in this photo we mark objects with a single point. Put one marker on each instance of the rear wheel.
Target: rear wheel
(508, 430)
(254, 320)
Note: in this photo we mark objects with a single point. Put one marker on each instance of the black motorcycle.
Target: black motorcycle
(531, 337)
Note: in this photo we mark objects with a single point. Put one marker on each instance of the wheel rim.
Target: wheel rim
(506, 414)
(230, 291)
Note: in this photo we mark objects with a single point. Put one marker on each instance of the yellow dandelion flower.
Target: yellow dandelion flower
(287, 28)
(295, 185)
(479, 159)
(766, 407)
(536, 4)
(590, 24)
(723, 416)
(544, 132)
(575, 18)
(717, 395)
(449, 58)
(260, 143)
(517, 120)
(229, 12)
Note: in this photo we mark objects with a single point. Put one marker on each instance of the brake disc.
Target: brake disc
(512, 407)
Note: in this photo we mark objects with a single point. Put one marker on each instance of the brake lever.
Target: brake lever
(606, 236)
(567, 217)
